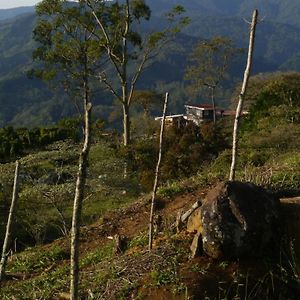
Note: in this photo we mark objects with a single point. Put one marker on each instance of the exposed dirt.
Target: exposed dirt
(127, 222)
(139, 271)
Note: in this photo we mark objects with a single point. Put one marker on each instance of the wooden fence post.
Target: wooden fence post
(239, 108)
(162, 128)
(10, 220)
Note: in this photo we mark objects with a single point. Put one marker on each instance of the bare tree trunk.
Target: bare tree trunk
(162, 128)
(242, 96)
(126, 125)
(124, 78)
(78, 199)
(213, 103)
(10, 221)
(126, 135)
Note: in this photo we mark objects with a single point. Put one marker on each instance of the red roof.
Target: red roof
(229, 113)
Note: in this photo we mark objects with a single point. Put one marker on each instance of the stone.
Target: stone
(197, 245)
(120, 244)
(290, 220)
(157, 224)
(194, 224)
(238, 220)
(63, 296)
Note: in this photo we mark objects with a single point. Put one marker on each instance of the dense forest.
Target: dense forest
(78, 95)
(35, 103)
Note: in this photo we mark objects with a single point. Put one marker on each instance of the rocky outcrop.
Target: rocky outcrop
(194, 224)
(290, 220)
(236, 220)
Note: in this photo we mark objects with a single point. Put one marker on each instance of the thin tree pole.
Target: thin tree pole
(10, 221)
(213, 102)
(78, 198)
(242, 95)
(162, 128)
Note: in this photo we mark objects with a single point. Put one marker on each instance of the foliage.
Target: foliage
(66, 49)
(143, 126)
(209, 64)
(47, 190)
(277, 98)
(16, 142)
(94, 257)
(187, 149)
(271, 129)
(163, 277)
(129, 51)
(269, 133)
(139, 240)
(26, 102)
(147, 101)
(35, 260)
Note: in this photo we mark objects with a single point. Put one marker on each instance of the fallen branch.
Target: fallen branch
(186, 215)
(181, 218)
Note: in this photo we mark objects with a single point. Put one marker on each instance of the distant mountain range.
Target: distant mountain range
(26, 102)
(285, 12)
(6, 14)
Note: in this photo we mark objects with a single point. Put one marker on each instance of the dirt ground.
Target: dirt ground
(198, 278)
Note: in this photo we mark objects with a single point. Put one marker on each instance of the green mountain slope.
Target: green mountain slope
(29, 102)
(6, 14)
(286, 12)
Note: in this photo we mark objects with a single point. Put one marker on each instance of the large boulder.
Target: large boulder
(290, 220)
(238, 220)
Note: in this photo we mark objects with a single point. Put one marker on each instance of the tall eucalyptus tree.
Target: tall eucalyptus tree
(129, 49)
(68, 53)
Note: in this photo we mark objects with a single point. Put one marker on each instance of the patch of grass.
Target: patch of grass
(97, 256)
(35, 260)
(48, 283)
(169, 190)
(200, 268)
(99, 201)
(223, 265)
(127, 289)
(44, 286)
(163, 277)
(169, 275)
(180, 288)
(139, 241)
(45, 203)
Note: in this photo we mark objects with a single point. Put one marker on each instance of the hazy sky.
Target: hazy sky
(17, 3)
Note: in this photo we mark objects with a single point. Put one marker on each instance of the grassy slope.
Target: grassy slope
(47, 189)
(166, 273)
(42, 272)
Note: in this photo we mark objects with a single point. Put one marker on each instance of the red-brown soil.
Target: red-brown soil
(199, 278)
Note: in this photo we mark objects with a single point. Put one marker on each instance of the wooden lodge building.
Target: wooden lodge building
(196, 113)
(199, 113)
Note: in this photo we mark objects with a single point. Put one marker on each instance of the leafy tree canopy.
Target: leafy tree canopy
(276, 96)
(209, 63)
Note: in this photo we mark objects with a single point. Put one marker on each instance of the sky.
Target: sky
(17, 3)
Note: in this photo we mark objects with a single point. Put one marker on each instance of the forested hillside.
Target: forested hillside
(112, 203)
(285, 12)
(27, 102)
(6, 14)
